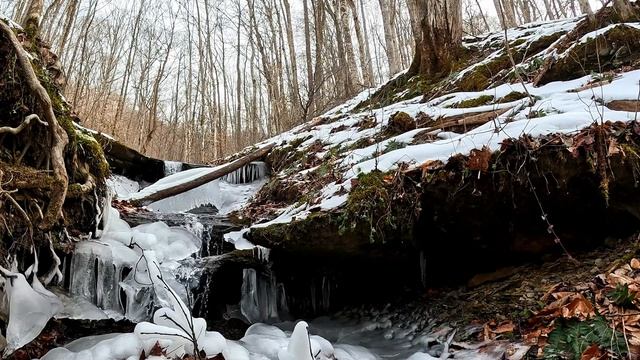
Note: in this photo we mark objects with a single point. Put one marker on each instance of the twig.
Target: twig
(532, 100)
(549, 225)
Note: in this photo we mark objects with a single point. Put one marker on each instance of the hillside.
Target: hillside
(486, 212)
(462, 147)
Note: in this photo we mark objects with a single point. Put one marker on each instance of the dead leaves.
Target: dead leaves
(612, 296)
(479, 159)
(159, 351)
(491, 330)
(579, 307)
(593, 352)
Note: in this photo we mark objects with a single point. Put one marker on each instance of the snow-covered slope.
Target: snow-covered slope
(351, 139)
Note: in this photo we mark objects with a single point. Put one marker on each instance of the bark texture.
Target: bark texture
(441, 28)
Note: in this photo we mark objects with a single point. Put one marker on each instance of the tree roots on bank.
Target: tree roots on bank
(52, 176)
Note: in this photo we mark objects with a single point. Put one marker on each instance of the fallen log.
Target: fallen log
(624, 105)
(468, 119)
(128, 162)
(208, 177)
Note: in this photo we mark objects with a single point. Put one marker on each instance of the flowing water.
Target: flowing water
(220, 282)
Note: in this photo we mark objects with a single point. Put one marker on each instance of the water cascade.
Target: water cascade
(172, 167)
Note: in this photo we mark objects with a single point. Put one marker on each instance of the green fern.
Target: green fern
(571, 338)
(621, 296)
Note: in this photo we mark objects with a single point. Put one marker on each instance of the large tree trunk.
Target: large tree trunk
(505, 13)
(33, 17)
(623, 8)
(441, 37)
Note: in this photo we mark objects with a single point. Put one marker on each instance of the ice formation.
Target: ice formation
(172, 167)
(107, 273)
(121, 186)
(299, 347)
(29, 306)
(226, 194)
(263, 299)
(254, 171)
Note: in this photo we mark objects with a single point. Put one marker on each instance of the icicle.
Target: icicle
(249, 173)
(262, 253)
(172, 167)
(260, 301)
(283, 307)
(55, 272)
(423, 268)
(314, 303)
(249, 300)
(326, 293)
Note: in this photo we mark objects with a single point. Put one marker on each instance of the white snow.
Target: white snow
(563, 111)
(227, 194)
(122, 186)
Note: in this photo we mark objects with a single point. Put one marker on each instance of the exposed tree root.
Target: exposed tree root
(24, 124)
(58, 137)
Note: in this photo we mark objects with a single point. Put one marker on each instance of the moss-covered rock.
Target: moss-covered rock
(512, 96)
(474, 102)
(400, 123)
(615, 48)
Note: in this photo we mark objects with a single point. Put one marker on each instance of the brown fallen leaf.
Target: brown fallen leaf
(593, 352)
(635, 264)
(579, 307)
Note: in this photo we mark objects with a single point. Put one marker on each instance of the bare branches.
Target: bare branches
(22, 126)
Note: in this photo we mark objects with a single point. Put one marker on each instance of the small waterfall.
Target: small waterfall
(172, 167)
(263, 299)
(249, 173)
(96, 277)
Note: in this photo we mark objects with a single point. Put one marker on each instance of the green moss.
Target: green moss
(474, 81)
(517, 42)
(394, 145)
(359, 144)
(379, 202)
(483, 76)
(611, 50)
(512, 96)
(479, 101)
(93, 153)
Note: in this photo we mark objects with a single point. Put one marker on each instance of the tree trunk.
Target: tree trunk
(623, 8)
(505, 14)
(441, 37)
(585, 8)
(387, 9)
(365, 57)
(352, 78)
(33, 17)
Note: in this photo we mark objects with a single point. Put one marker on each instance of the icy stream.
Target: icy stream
(143, 273)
